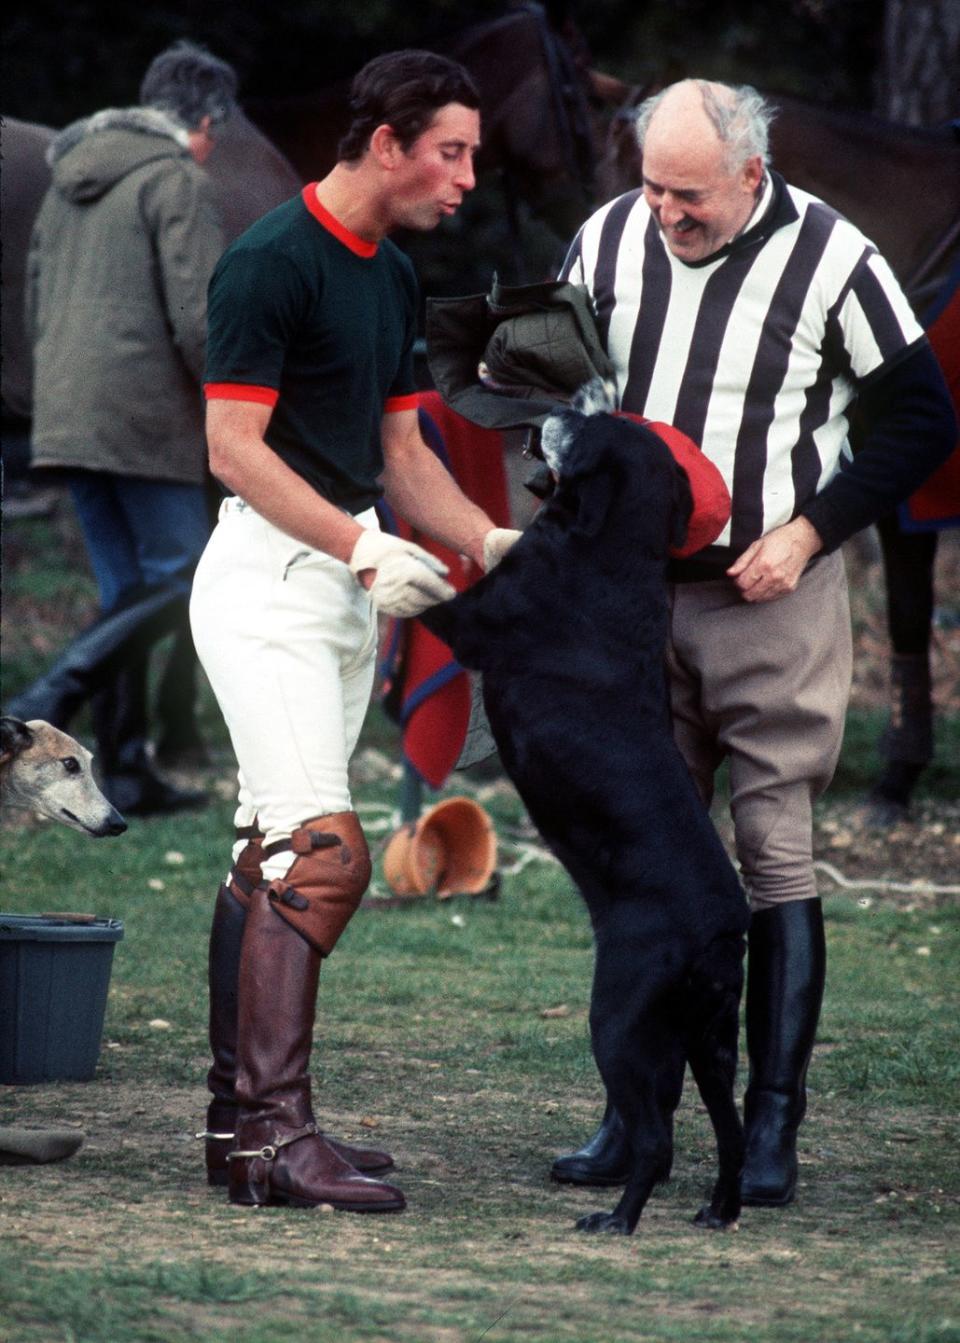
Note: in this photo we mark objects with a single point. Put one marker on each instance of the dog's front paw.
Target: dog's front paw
(712, 1221)
(607, 1222)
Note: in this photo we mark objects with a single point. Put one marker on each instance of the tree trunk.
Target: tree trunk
(917, 81)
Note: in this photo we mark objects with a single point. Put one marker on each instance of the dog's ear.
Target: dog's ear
(594, 496)
(541, 484)
(14, 738)
(682, 507)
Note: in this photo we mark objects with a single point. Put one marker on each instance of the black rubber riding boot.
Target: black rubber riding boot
(785, 976)
(98, 654)
(128, 777)
(603, 1160)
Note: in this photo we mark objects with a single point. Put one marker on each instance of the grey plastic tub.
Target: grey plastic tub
(54, 978)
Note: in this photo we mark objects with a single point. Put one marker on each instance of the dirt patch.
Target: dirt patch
(140, 1173)
(916, 864)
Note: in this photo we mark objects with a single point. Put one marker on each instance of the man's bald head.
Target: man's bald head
(704, 151)
(735, 114)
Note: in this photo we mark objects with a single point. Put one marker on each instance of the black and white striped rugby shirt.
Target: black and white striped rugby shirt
(757, 351)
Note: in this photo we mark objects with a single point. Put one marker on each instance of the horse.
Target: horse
(900, 185)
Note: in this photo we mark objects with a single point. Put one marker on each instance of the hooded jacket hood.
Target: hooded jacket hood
(121, 251)
(90, 156)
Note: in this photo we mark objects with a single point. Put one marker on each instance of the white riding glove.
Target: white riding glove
(496, 543)
(409, 578)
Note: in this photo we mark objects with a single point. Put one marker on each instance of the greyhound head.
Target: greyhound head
(47, 771)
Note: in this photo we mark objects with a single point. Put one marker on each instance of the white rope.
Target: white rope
(918, 887)
(527, 854)
(378, 817)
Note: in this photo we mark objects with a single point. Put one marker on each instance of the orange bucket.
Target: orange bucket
(450, 850)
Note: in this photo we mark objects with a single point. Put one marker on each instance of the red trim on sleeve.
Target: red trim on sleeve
(359, 246)
(409, 402)
(240, 391)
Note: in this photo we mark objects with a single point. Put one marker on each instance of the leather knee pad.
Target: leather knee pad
(325, 883)
(247, 870)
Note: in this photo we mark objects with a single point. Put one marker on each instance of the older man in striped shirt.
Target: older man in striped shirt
(752, 316)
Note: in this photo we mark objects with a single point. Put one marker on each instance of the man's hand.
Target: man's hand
(771, 567)
(406, 579)
(496, 543)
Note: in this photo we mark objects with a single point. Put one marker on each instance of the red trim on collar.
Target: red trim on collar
(240, 391)
(359, 246)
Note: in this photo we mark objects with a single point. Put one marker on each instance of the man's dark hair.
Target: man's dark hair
(403, 90)
(189, 83)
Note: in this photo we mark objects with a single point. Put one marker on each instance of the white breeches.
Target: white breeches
(288, 640)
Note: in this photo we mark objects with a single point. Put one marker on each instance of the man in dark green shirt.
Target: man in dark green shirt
(311, 417)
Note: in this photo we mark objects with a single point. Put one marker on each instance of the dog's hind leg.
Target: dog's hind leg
(639, 1055)
(712, 1052)
(639, 1101)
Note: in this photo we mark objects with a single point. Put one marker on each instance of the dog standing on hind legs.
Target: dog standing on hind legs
(569, 631)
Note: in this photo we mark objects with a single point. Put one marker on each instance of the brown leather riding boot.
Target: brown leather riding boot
(226, 937)
(280, 1154)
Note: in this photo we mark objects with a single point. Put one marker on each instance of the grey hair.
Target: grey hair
(742, 120)
(188, 83)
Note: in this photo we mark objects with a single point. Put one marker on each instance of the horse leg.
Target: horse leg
(907, 744)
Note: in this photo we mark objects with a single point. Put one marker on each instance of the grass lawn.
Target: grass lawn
(456, 1034)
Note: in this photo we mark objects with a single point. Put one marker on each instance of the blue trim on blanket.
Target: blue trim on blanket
(905, 522)
(443, 676)
(909, 524)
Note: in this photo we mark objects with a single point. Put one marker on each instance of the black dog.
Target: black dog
(569, 632)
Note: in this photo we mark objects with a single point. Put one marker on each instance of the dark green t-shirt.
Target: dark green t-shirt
(306, 317)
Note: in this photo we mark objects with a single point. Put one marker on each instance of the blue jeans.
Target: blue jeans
(139, 533)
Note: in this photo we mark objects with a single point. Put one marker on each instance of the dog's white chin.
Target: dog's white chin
(554, 440)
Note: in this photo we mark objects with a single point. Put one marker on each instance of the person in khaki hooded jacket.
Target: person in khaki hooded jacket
(121, 253)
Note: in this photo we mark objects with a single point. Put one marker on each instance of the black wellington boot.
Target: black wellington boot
(603, 1159)
(128, 777)
(98, 654)
(786, 968)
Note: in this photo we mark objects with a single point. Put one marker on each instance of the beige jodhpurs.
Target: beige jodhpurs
(764, 685)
